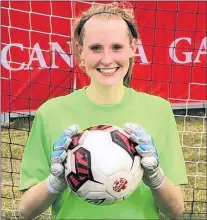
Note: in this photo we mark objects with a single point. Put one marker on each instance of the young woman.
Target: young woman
(105, 42)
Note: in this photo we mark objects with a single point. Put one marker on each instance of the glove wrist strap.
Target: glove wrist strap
(154, 179)
(52, 184)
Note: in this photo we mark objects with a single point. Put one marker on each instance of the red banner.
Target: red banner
(37, 62)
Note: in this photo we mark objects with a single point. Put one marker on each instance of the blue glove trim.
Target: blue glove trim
(147, 147)
(58, 156)
(57, 153)
(60, 142)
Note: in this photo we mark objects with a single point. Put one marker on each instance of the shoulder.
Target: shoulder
(57, 103)
(149, 100)
(151, 105)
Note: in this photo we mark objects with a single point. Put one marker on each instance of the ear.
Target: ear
(79, 49)
(78, 53)
(134, 45)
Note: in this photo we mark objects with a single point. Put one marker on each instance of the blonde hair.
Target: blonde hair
(113, 10)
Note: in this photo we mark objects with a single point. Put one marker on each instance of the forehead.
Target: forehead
(103, 29)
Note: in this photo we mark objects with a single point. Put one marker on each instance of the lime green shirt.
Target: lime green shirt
(55, 115)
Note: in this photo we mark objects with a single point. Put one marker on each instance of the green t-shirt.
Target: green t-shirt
(151, 112)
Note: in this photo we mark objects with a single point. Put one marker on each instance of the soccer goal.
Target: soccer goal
(37, 64)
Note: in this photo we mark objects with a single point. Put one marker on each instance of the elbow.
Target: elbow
(178, 208)
(22, 214)
(181, 209)
(23, 211)
(177, 212)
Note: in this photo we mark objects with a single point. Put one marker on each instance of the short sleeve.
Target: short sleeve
(171, 157)
(35, 165)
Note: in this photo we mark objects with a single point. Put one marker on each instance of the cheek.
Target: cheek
(123, 57)
(91, 59)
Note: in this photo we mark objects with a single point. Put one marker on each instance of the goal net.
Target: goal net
(37, 64)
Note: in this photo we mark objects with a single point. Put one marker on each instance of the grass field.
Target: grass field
(193, 138)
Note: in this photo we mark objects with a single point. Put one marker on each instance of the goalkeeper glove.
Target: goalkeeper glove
(56, 182)
(153, 175)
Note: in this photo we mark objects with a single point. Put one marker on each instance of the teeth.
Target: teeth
(107, 70)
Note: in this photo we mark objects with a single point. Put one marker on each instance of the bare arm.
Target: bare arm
(169, 199)
(36, 200)
(39, 197)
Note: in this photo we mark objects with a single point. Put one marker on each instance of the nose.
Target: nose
(106, 58)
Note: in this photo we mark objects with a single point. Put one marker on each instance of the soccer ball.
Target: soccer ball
(102, 165)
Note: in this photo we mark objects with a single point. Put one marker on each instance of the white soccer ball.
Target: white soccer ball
(102, 165)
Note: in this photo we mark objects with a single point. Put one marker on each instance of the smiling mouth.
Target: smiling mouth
(107, 70)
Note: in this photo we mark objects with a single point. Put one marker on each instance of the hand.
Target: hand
(56, 182)
(153, 175)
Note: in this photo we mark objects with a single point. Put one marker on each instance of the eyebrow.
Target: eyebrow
(99, 44)
(95, 44)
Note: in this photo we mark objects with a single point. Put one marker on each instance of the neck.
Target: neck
(106, 94)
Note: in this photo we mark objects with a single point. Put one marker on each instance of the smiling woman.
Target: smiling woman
(107, 61)
(105, 39)
(106, 49)
(115, 20)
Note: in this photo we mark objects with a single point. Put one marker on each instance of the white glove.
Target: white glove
(153, 174)
(56, 182)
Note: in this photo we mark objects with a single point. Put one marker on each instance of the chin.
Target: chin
(109, 82)
(116, 79)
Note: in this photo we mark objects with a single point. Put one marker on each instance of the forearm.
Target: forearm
(169, 199)
(36, 200)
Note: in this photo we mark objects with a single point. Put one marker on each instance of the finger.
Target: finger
(71, 131)
(149, 163)
(129, 127)
(58, 156)
(132, 128)
(146, 150)
(57, 169)
(134, 138)
(62, 144)
(141, 138)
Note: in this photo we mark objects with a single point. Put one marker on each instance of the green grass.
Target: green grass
(192, 133)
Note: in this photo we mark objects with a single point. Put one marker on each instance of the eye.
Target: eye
(96, 48)
(117, 47)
